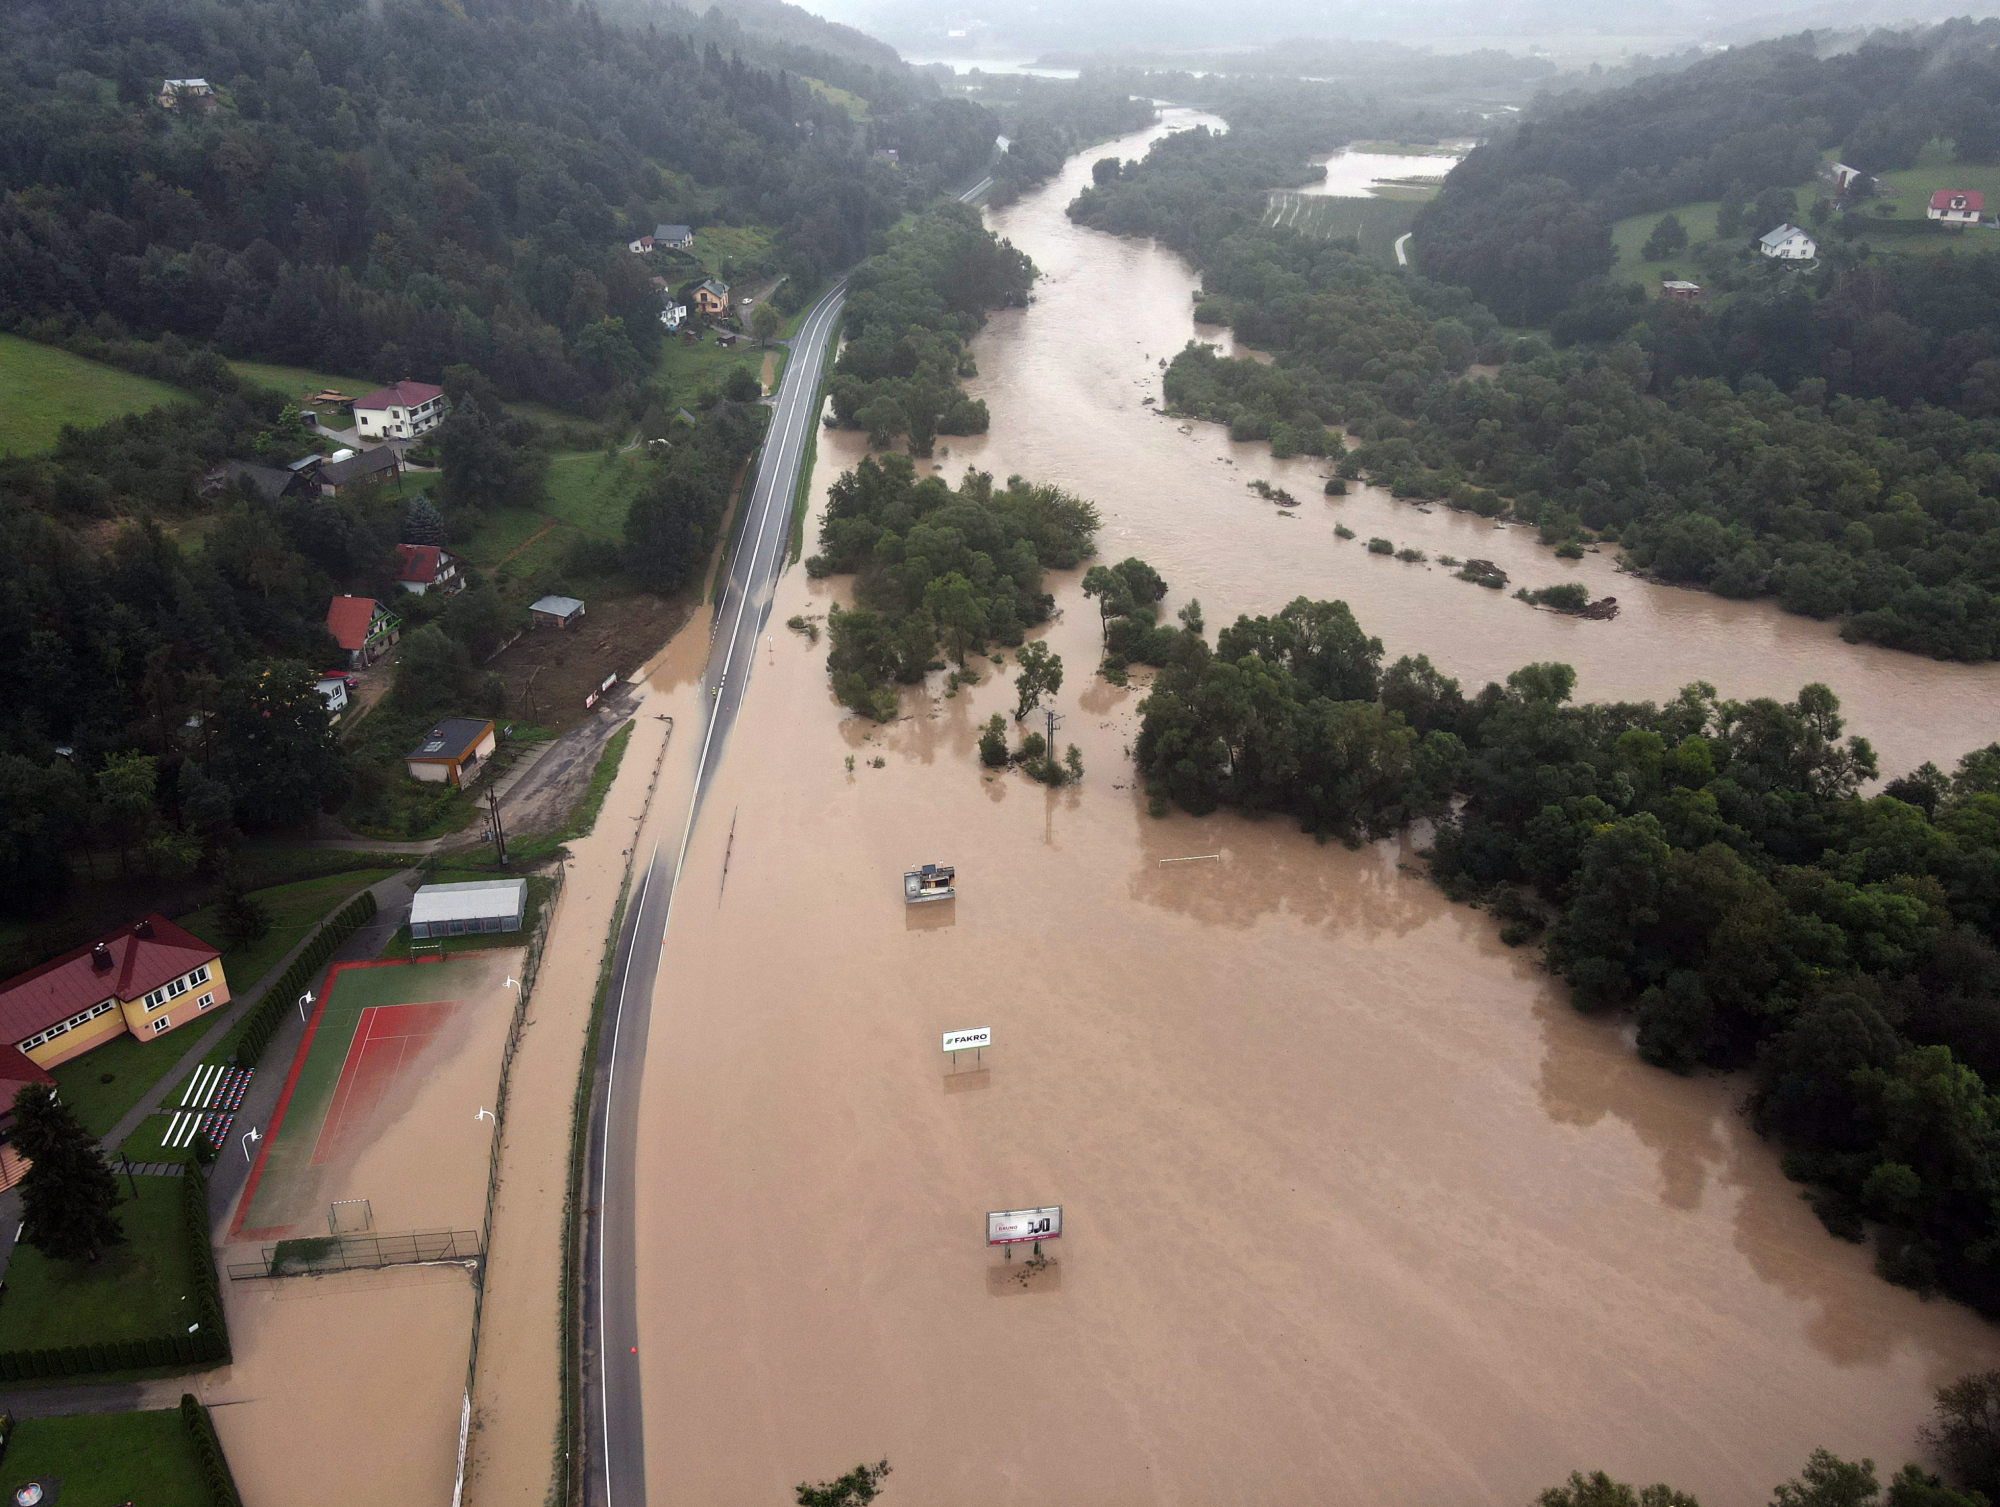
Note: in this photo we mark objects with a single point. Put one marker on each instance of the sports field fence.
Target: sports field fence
(316, 1254)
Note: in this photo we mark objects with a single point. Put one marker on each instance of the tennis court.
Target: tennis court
(395, 1054)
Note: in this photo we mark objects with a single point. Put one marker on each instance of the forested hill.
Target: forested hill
(425, 183)
(1747, 120)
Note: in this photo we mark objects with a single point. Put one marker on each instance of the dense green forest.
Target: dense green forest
(910, 312)
(439, 190)
(1709, 864)
(1048, 121)
(1525, 219)
(1836, 447)
(417, 185)
(937, 568)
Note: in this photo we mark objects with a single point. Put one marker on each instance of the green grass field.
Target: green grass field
(1630, 235)
(295, 910)
(106, 1458)
(731, 250)
(140, 1288)
(299, 381)
(1378, 222)
(133, 1067)
(43, 388)
(855, 106)
(683, 369)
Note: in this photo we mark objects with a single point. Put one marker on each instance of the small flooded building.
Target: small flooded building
(456, 910)
(450, 750)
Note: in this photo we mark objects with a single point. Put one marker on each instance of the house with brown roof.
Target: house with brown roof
(427, 567)
(450, 750)
(401, 411)
(142, 980)
(363, 628)
(380, 464)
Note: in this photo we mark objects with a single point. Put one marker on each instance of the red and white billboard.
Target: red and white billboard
(1018, 1226)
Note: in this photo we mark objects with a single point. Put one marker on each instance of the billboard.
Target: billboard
(965, 1041)
(1016, 1226)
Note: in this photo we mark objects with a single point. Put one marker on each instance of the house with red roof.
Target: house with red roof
(1957, 206)
(401, 411)
(142, 980)
(427, 567)
(362, 627)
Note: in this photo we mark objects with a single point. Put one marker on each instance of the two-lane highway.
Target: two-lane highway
(613, 1422)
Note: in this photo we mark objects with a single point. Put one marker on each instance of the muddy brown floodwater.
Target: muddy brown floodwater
(1357, 1208)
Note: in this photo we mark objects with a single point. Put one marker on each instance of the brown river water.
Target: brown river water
(1357, 1208)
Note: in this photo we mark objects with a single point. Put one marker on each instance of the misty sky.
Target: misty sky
(1019, 29)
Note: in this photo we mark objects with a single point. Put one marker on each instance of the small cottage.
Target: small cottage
(1674, 290)
(555, 612)
(1788, 243)
(711, 297)
(674, 237)
(333, 691)
(187, 94)
(363, 628)
(422, 568)
(448, 753)
(641, 246)
(1957, 206)
(381, 464)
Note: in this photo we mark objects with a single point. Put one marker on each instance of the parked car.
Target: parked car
(346, 677)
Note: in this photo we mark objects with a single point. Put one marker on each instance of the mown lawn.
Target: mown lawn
(106, 1458)
(1629, 236)
(295, 909)
(43, 388)
(137, 1289)
(729, 250)
(684, 369)
(300, 381)
(132, 1065)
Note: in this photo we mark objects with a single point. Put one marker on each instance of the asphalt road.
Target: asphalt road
(613, 1420)
(614, 1432)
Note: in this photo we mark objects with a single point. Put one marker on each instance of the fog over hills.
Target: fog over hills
(1577, 28)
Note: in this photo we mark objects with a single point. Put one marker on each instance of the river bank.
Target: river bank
(1357, 1207)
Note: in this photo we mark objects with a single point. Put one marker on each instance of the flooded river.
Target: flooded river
(1357, 1209)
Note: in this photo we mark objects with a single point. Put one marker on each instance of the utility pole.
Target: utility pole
(499, 832)
(1054, 723)
(534, 712)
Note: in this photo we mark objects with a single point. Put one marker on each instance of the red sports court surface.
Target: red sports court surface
(387, 1038)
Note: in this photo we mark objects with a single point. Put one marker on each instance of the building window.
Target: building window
(200, 975)
(205, 1001)
(161, 1024)
(457, 928)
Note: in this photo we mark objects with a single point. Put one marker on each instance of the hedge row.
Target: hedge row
(206, 1345)
(208, 1449)
(262, 1023)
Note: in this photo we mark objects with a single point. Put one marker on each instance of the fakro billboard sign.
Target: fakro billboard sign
(966, 1041)
(1018, 1226)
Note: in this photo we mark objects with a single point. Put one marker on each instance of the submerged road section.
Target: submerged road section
(614, 1434)
(613, 1421)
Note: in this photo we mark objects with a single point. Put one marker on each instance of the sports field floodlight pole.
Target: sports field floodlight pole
(304, 1000)
(250, 1136)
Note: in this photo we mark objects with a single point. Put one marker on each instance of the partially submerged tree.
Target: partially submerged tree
(858, 1487)
(1041, 673)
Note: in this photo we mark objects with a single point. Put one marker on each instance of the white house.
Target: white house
(333, 690)
(641, 246)
(427, 567)
(673, 315)
(674, 237)
(1788, 243)
(401, 412)
(1957, 206)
